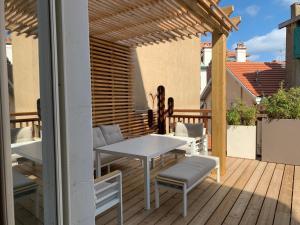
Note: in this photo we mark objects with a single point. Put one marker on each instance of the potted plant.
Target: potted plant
(241, 131)
(280, 131)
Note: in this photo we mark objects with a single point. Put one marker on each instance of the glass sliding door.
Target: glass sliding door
(33, 153)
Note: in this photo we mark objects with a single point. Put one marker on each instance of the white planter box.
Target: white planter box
(241, 141)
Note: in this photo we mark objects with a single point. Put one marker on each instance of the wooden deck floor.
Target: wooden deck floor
(252, 192)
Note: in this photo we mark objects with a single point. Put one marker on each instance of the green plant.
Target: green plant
(285, 104)
(233, 117)
(241, 114)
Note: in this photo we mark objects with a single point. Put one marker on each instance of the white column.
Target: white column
(6, 184)
(76, 112)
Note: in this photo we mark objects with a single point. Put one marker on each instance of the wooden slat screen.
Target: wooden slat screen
(112, 88)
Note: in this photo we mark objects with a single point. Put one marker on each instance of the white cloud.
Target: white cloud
(252, 10)
(254, 57)
(272, 43)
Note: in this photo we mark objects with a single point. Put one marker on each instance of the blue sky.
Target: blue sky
(259, 27)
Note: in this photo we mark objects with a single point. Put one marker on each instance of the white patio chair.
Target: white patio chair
(99, 141)
(196, 132)
(108, 193)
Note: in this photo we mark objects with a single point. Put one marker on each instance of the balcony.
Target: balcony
(251, 192)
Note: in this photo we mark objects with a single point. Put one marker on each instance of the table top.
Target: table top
(31, 150)
(149, 146)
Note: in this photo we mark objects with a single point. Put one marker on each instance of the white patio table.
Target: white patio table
(31, 150)
(145, 148)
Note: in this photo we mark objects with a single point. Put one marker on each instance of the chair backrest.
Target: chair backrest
(98, 138)
(108, 191)
(189, 130)
(21, 134)
(112, 133)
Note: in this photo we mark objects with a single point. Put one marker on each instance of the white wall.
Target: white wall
(203, 79)
(241, 55)
(207, 56)
(9, 53)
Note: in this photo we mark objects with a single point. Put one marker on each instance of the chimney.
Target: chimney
(295, 9)
(241, 52)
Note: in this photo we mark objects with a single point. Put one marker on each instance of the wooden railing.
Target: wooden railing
(26, 119)
(193, 116)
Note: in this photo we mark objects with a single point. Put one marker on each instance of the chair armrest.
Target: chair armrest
(201, 139)
(108, 176)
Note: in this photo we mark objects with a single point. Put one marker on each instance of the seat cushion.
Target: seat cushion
(98, 138)
(188, 130)
(108, 158)
(190, 170)
(20, 180)
(21, 134)
(112, 133)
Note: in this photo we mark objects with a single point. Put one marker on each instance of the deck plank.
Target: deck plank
(198, 205)
(253, 209)
(296, 198)
(173, 204)
(195, 195)
(237, 211)
(133, 195)
(283, 210)
(267, 213)
(227, 189)
(141, 214)
(252, 192)
(199, 200)
(225, 206)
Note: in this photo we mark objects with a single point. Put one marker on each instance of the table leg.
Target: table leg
(98, 166)
(147, 182)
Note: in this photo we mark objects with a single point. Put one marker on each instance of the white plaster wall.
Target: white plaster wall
(207, 56)
(203, 79)
(175, 65)
(9, 53)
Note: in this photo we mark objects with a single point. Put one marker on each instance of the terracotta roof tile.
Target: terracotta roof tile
(258, 77)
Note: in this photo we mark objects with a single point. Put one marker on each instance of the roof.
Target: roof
(206, 44)
(260, 78)
(136, 22)
(8, 40)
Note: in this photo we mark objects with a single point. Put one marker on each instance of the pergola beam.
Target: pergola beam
(228, 10)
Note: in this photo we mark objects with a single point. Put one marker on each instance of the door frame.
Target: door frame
(51, 126)
(6, 191)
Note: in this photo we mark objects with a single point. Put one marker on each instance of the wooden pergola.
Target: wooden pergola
(131, 23)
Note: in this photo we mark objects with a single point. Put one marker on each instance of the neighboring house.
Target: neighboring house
(239, 55)
(175, 65)
(9, 61)
(293, 46)
(248, 81)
